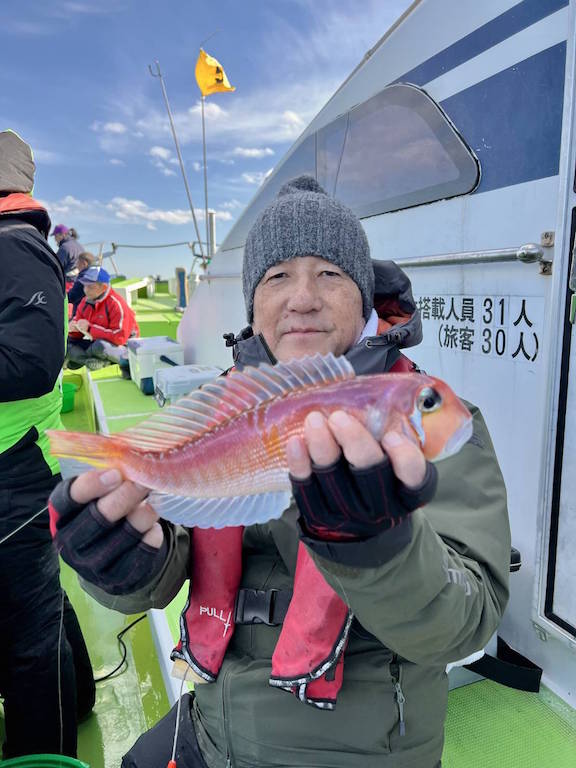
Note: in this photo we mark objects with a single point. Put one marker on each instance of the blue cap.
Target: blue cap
(94, 275)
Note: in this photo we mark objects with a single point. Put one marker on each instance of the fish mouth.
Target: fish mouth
(457, 441)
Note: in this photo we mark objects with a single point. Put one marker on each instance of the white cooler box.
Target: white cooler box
(172, 383)
(146, 356)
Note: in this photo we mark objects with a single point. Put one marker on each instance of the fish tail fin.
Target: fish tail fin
(98, 450)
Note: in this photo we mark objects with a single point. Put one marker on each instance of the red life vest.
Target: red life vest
(18, 202)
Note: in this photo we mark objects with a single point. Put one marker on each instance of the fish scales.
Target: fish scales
(247, 455)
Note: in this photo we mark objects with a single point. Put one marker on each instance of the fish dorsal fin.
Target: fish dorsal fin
(222, 400)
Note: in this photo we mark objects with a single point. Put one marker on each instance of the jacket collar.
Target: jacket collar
(399, 327)
(26, 208)
(100, 298)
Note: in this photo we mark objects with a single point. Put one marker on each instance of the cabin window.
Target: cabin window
(329, 143)
(394, 151)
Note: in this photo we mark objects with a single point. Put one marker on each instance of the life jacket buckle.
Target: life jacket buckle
(256, 606)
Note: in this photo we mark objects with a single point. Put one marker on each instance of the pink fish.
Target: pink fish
(217, 457)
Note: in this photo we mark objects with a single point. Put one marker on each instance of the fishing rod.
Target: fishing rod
(23, 525)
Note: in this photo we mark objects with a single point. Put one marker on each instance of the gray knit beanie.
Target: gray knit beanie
(304, 221)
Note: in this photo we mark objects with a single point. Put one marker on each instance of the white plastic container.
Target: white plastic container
(146, 356)
(172, 383)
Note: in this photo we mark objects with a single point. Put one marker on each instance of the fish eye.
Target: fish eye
(429, 400)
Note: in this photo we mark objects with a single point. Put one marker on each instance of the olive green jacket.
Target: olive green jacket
(436, 601)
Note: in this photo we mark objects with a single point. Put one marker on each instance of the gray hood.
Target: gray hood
(16, 164)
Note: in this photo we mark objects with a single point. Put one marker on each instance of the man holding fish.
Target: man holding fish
(350, 582)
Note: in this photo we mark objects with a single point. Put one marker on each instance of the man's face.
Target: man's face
(307, 305)
(94, 290)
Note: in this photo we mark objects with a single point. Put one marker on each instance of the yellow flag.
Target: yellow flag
(210, 75)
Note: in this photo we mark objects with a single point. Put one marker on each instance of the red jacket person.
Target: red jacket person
(102, 325)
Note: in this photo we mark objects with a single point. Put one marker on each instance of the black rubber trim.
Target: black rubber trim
(558, 458)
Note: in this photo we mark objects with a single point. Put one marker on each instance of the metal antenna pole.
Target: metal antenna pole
(210, 251)
(158, 74)
(205, 177)
(111, 257)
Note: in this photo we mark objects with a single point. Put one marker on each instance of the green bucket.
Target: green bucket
(43, 761)
(68, 392)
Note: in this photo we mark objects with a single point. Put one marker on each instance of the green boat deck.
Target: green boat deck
(488, 726)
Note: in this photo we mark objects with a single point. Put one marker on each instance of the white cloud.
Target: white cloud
(259, 119)
(160, 156)
(113, 127)
(114, 137)
(252, 152)
(137, 211)
(232, 205)
(116, 161)
(67, 205)
(26, 28)
(294, 120)
(51, 18)
(160, 152)
(256, 177)
(46, 156)
(84, 8)
(197, 166)
(84, 212)
(331, 27)
(67, 9)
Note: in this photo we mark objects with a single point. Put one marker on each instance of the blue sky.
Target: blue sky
(75, 84)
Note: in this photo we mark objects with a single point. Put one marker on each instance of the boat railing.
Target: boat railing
(527, 254)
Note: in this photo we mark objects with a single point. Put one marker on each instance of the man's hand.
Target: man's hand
(348, 485)
(105, 530)
(82, 325)
(325, 440)
(117, 499)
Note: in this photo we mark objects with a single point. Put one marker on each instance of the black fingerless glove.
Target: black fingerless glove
(109, 555)
(340, 502)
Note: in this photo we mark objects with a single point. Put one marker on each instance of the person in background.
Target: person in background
(76, 293)
(69, 249)
(46, 677)
(383, 569)
(101, 326)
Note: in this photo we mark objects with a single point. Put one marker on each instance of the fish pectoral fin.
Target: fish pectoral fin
(220, 512)
(73, 467)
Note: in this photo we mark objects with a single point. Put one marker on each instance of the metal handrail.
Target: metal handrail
(527, 254)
